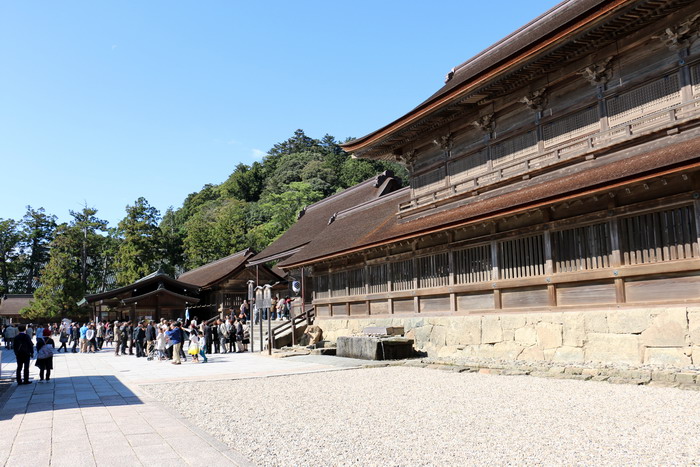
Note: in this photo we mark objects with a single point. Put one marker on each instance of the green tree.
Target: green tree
(172, 243)
(37, 233)
(74, 267)
(139, 251)
(217, 230)
(9, 251)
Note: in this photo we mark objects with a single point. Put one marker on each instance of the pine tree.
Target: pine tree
(140, 248)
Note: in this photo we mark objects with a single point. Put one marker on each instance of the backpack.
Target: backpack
(46, 351)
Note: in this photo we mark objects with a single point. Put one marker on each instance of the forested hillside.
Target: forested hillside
(250, 209)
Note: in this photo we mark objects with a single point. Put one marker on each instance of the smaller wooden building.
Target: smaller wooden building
(152, 297)
(10, 306)
(223, 283)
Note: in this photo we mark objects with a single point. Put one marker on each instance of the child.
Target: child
(203, 347)
(160, 344)
(194, 345)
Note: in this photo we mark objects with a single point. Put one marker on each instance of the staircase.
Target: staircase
(288, 333)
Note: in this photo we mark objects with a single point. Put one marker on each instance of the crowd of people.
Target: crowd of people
(162, 340)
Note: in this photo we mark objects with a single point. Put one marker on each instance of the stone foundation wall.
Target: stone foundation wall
(650, 336)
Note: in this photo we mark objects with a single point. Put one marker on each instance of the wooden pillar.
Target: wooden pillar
(616, 260)
(495, 275)
(549, 268)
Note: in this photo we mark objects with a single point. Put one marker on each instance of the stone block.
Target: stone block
(664, 376)
(694, 327)
(507, 350)
(485, 351)
(447, 351)
(513, 322)
(612, 348)
(422, 335)
(373, 348)
(574, 329)
(666, 356)
(548, 354)
(464, 330)
(531, 354)
(668, 329)
(508, 335)
(549, 335)
(568, 354)
(595, 321)
(686, 377)
(628, 321)
(526, 335)
(438, 336)
(491, 331)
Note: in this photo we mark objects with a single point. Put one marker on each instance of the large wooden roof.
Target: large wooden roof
(318, 215)
(211, 273)
(570, 30)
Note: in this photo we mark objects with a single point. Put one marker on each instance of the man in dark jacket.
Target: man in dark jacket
(24, 349)
(75, 336)
(140, 339)
(207, 338)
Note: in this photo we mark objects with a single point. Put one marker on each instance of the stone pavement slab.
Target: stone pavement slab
(92, 412)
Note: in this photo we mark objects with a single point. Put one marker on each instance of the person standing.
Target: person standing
(74, 336)
(83, 338)
(24, 349)
(90, 339)
(10, 334)
(215, 335)
(176, 337)
(150, 337)
(124, 330)
(116, 330)
(140, 338)
(223, 335)
(44, 356)
(100, 335)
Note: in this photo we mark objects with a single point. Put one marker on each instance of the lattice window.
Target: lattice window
(434, 270)
(402, 275)
(428, 181)
(356, 282)
(521, 257)
(582, 248)
(473, 265)
(321, 286)
(659, 236)
(695, 76)
(514, 148)
(378, 278)
(339, 282)
(468, 166)
(571, 126)
(657, 95)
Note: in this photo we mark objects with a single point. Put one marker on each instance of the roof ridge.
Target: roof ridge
(238, 253)
(367, 204)
(349, 190)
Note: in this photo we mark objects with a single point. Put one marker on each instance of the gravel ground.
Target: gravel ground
(417, 416)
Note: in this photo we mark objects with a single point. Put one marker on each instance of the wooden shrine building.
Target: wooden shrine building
(11, 305)
(152, 297)
(553, 211)
(223, 284)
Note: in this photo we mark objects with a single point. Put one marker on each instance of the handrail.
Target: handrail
(308, 316)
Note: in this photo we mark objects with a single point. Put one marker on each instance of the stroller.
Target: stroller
(155, 354)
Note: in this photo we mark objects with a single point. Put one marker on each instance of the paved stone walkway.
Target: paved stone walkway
(93, 413)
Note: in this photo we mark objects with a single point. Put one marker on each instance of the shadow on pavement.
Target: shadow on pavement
(67, 393)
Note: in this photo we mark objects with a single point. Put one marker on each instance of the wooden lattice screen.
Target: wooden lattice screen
(434, 270)
(521, 257)
(402, 275)
(377, 278)
(473, 265)
(659, 236)
(582, 248)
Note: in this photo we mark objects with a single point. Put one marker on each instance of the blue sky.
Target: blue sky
(105, 101)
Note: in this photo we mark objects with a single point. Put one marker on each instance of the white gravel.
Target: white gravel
(417, 416)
